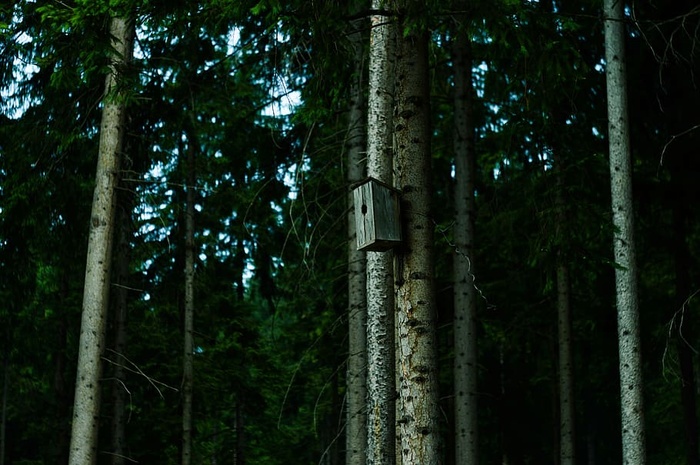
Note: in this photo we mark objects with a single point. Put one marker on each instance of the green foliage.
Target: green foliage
(270, 296)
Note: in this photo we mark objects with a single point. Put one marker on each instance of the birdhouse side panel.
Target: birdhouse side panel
(376, 216)
(386, 216)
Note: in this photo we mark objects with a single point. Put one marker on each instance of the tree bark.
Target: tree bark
(567, 443)
(5, 390)
(567, 438)
(381, 388)
(465, 348)
(418, 425)
(188, 345)
(356, 378)
(632, 404)
(86, 410)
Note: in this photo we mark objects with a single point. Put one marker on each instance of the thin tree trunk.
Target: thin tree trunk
(188, 346)
(120, 314)
(356, 378)
(86, 409)
(465, 348)
(567, 438)
(418, 420)
(567, 445)
(381, 388)
(5, 389)
(631, 383)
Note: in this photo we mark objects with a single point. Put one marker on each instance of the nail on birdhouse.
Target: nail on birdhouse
(376, 216)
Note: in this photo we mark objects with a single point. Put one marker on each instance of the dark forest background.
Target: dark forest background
(262, 87)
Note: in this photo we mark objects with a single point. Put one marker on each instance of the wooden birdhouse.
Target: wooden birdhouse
(376, 216)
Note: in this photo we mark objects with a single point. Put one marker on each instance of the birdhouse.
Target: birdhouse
(376, 216)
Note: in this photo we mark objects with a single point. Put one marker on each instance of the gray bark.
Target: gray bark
(418, 418)
(465, 348)
(567, 438)
(567, 444)
(3, 406)
(632, 405)
(86, 410)
(356, 427)
(381, 388)
(188, 343)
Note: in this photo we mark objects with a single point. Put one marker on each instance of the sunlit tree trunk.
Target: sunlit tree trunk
(417, 415)
(632, 405)
(465, 361)
(188, 346)
(86, 409)
(356, 379)
(380, 284)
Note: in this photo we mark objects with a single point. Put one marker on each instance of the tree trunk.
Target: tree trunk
(120, 314)
(567, 438)
(632, 405)
(417, 358)
(5, 389)
(381, 388)
(567, 443)
(465, 349)
(86, 409)
(356, 378)
(188, 346)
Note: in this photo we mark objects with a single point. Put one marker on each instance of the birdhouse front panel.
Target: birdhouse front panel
(376, 216)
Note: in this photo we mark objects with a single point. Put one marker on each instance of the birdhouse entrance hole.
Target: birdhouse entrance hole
(376, 216)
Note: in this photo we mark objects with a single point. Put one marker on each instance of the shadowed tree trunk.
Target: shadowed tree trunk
(632, 402)
(465, 362)
(86, 410)
(5, 388)
(356, 378)
(567, 442)
(188, 345)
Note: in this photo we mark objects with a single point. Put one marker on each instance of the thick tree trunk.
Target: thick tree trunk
(356, 378)
(188, 345)
(418, 420)
(632, 404)
(86, 410)
(465, 349)
(381, 390)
